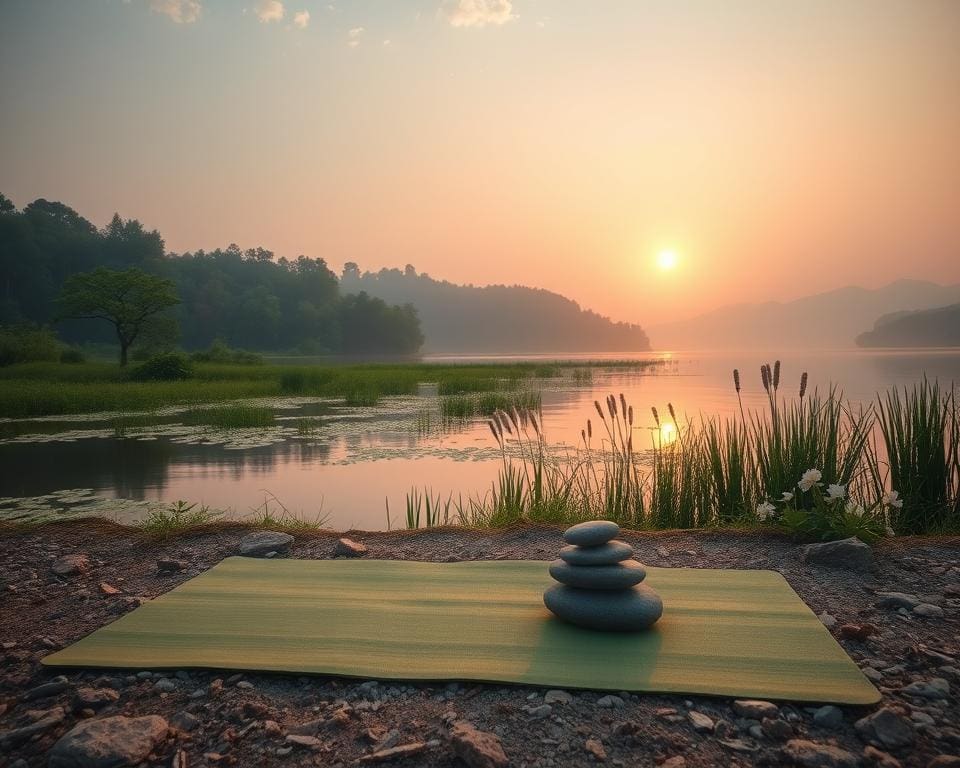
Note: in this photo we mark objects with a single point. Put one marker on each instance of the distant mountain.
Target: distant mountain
(495, 318)
(824, 320)
(938, 327)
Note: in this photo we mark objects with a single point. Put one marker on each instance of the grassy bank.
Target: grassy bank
(814, 465)
(48, 389)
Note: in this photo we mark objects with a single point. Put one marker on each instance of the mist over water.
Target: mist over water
(359, 461)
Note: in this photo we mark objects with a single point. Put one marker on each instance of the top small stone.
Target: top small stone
(592, 533)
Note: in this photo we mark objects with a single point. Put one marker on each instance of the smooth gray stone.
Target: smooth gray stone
(620, 610)
(622, 575)
(592, 533)
(606, 554)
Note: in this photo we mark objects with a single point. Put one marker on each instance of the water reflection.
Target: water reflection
(359, 461)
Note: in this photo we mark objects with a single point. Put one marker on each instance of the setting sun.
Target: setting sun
(667, 260)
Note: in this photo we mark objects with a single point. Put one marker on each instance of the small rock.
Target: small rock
(874, 756)
(885, 728)
(829, 717)
(738, 745)
(557, 697)
(108, 589)
(809, 754)
(165, 685)
(849, 553)
(111, 741)
(928, 610)
(71, 565)
(677, 761)
(936, 688)
(349, 548)
(477, 749)
(859, 632)
(895, 600)
(595, 748)
(47, 721)
(944, 761)
(94, 698)
(394, 753)
(700, 721)
(260, 543)
(776, 729)
(754, 709)
(166, 565)
(610, 702)
(828, 620)
(592, 533)
(538, 713)
(184, 721)
(44, 690)
(307, 742)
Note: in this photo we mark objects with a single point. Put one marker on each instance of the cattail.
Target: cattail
(623, 404)
(765, 377)
(536, 426)
(612, 406)
(630, 415)
(583, 436)
(494, 430)
(515, 417)
(589, 429)
(630, 444)
(599, 409)
(776, 375)
(504, 421)
(673, 414)
(656, 416)
(803, 384)
(736, 380)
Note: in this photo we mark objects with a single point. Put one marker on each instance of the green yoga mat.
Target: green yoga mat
(729, 633)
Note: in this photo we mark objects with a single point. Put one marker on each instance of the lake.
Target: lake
(354, 462)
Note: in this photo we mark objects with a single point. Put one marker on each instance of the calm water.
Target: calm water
(357, 460)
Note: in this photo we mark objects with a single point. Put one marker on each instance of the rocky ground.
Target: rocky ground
(898, 618)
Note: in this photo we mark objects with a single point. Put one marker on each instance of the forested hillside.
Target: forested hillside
(496, 318)
(938, 327)
(248, 299)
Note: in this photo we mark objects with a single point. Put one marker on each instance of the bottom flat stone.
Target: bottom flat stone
(624, 610)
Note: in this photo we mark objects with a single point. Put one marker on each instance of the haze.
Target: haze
(777, 149)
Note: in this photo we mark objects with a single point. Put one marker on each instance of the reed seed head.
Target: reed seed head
(803, 384)
(673, 414)
(589, 428)
(656, 416)
(599, 409)
(623, 405)
(630, 415)
(776, 375)
(765, 376)
(612, 405)
(736, 380)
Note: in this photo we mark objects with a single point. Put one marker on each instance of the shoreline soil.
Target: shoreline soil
(217, 717)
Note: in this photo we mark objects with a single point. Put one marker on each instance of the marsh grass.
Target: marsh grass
(711, 473)
(47, 389)
(229, 417)
(176, 518)
(463, 407)
(274, 515)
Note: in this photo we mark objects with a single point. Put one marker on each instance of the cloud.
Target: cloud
(178, 11)
(353, 36)
(269, 10)
(301, 19)
(478, 13)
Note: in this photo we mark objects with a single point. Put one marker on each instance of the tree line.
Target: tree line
(244, 298)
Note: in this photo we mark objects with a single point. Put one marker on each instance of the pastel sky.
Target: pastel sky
(778, 148)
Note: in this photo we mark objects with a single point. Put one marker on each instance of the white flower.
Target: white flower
(764, 510)
(787, 496)
(892, 499)
(810, 478)
(855, 509)
(889, 531)
(835, 491)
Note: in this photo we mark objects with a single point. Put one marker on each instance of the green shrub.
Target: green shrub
(170, 366)
(27, 344)
(72, 356)
(218, 352)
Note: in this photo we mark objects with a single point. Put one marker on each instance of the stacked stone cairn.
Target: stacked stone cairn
(599, 582)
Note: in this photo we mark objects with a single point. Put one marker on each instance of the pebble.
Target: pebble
(477, 749)
(307, 742)
(936, 688)
(828, 620)
(885, 728)
(349, 548)
(71, 565)
(812, 755)
(595, 748)
(894, 600)
(850, 554)
(632, 609)
(622, 575)
(610, 702)
(881, 759)
(928, 610)
(700, 721)
(45, 690)
(165, 685)
(540, 712)
(755, 709)
(557, 697)
(829, 717)
(260, 543)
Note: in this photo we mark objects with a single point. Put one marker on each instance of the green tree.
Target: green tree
(127, 300)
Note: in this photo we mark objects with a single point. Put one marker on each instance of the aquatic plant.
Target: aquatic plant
(176, 518)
